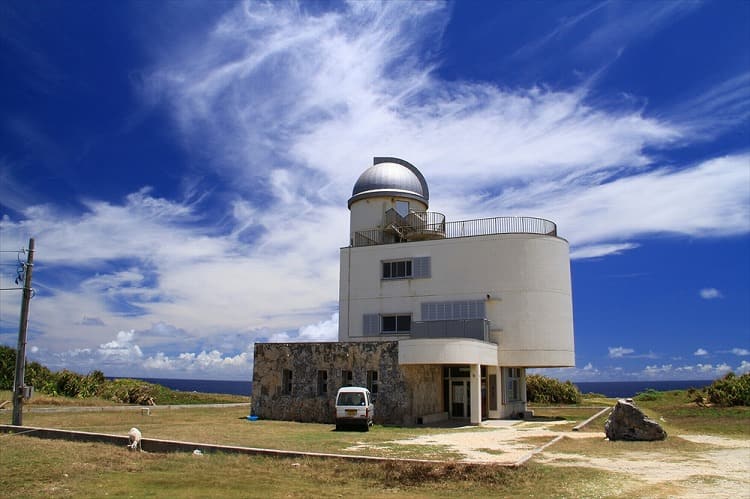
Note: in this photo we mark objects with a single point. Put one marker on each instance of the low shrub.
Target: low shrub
(544, 390)
(649, 394)
(731, 390)
(130, 391)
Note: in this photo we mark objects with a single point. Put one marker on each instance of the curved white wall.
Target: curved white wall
(527, 278)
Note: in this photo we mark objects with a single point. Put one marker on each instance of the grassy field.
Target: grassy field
(36, 468)
(678, 414)
(229, 426)
(167, 396)
(43, 468)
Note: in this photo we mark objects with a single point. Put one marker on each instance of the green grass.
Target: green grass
(43, 468)
(165, 397)
(229, 426)
(681, 415)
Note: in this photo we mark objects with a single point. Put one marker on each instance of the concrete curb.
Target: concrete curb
(158, 445)
(536, 451)
(581, 425)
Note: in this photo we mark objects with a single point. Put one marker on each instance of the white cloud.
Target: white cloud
(599, 250)
(668, 371)
(723, 368)
(617, 352)
(322, 331)
(741, 351)
(700, 352)
(121, 349)
(656, 370)
(292, 104)
(721, 107)
(588, 367)
(744, 367)
(710, 293)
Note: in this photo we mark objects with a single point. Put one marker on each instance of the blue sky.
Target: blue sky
(184, 168)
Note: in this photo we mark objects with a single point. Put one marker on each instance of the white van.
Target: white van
(354, 407)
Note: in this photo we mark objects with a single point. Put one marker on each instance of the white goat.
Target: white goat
(135, 439)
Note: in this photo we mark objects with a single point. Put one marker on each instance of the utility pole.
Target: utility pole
(19, 387)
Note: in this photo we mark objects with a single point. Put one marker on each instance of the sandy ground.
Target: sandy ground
(723, 470)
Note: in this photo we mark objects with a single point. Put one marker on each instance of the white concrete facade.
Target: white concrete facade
(523, 279)
(509, 288)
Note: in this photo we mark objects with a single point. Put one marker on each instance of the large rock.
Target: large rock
(627, 422)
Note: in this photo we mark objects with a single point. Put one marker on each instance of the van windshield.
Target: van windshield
(351, 399)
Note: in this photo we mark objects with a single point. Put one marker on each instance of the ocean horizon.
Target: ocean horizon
(617, 389)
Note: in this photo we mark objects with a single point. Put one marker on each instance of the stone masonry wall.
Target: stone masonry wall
(400, 393)
(424, 383)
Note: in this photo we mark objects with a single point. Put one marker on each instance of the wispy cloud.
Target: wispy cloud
(599, 250)
(620, 352)
(700, 352)
(287, 106)
(721, 107)
(617, 352)
(710, 294)
(605, 29)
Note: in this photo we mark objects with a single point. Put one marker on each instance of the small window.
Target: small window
(398, 269)
(396, 323)
(372, 381)
(347, 378)
(322, 382)
(286, 382)
(402, 208)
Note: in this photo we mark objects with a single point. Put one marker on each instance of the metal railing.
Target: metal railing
(436, 229)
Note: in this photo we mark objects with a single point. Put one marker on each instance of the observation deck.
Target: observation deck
(421, 226)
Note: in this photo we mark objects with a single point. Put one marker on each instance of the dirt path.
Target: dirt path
(721, 470)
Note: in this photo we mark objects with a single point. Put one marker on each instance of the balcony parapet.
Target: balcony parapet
(418, 226)
(476, 329)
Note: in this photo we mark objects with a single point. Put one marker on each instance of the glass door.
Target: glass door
(460, 399)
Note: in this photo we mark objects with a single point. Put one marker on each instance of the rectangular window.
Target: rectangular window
(286, 382)
(372, 381)
(512, 384)
(322, 382)
(347, 378)
(412, 268)
(396, 323)
(398, 269)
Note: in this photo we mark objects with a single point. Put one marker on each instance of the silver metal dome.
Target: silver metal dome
(391, 177)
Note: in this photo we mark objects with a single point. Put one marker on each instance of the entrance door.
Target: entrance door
(460, 399)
